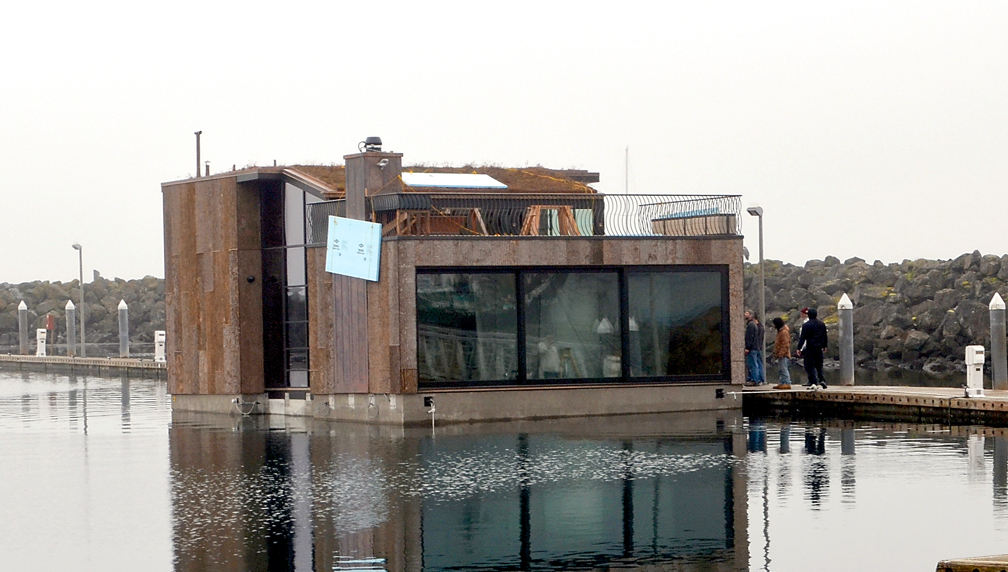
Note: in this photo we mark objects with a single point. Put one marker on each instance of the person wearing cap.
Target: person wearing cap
(811, 344)
(754, 341)
(782, 353)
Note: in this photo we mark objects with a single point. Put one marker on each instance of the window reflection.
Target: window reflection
(572, 325)
(467, 327)
(675, 323)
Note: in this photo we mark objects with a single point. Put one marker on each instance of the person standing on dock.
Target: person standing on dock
(754, 342)
(782, 353)
(811, 344)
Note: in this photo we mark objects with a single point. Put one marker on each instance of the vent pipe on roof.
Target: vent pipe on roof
(370, 145)
(208, 168)
(198, 133)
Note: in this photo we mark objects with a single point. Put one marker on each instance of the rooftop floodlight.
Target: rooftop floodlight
(369, 145)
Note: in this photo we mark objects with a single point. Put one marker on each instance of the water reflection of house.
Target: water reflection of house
(648, 492)
(526, 282)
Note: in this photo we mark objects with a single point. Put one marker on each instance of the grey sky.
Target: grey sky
(877, 130)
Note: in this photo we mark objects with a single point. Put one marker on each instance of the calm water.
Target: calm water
(98, 475)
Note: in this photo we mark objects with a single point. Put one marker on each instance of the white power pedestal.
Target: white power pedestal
(159, 346)
(974, 371)
(40, 342)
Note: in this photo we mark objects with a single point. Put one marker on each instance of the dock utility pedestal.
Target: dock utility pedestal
(974, 371)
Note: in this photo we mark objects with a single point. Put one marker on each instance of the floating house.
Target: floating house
(500, 294)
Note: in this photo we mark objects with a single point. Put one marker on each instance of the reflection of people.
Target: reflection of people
(754, 340)
(549, 359)
(811, 344)
(782, 353)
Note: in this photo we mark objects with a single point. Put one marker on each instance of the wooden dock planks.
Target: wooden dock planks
(945, 405)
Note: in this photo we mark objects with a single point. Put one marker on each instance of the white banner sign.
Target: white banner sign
(353, 248)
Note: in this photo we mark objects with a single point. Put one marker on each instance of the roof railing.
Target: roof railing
(539, 214)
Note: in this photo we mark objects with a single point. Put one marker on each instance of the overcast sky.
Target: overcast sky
(877, 130)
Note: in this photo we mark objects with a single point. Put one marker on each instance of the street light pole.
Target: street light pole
(80, 260)
(758, 212)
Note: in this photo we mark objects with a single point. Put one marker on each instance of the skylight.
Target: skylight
(452, 180)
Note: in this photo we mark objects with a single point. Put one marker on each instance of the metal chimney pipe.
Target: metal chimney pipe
(198, 133)
(208, 168)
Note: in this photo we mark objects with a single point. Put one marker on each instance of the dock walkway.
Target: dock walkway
(64, 364)
(944, 405)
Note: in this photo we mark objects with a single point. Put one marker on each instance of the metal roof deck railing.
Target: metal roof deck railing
(539, 214)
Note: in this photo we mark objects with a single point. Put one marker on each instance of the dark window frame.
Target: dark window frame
(277, 241)
(623, 272)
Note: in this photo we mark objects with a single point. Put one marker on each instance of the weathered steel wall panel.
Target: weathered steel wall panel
(247, 243)
(213, 313)
(320, 322)
(377, 330)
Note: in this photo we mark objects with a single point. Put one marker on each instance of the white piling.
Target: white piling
(845, 308)
(999, 346)
(123, 329)
(23, 328)
(71, 323)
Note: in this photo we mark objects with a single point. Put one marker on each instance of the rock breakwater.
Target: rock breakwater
(912, 315)
(145, 298)
(916, 314)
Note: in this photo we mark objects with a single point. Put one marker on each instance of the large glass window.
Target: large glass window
(610, 324)
(675, 323)
(467, 327)
(572, 325)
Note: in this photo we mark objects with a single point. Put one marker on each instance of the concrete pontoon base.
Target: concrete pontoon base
(482, 405)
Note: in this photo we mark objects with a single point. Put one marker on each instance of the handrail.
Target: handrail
(539, 214)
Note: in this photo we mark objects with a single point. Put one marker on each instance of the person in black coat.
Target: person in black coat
(811, 345)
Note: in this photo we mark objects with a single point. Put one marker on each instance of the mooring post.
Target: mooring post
(71, 335)
(999, 346)
(123, 329)
(846, 310)
(23, 328)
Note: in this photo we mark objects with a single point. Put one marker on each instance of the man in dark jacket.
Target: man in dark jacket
(811, 345)
(754, 342)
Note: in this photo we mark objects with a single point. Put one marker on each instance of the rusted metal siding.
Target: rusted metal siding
(320, 322)
(213, 313)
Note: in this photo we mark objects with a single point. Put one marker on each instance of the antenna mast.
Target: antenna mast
(626, 172)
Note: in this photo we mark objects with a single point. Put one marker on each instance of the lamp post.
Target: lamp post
(80, 259)
(758, 212)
